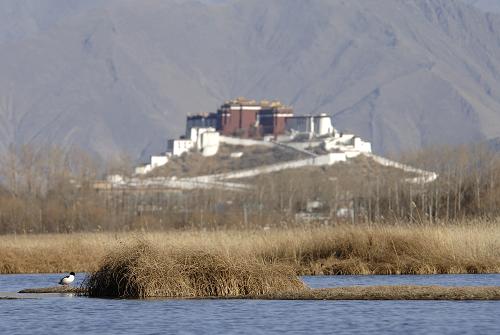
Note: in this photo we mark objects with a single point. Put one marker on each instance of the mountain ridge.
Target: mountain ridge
(492, 6)
(119, 76)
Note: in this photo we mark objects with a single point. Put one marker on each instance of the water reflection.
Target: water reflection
(440, 280)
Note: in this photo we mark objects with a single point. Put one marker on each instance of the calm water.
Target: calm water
(65, 313)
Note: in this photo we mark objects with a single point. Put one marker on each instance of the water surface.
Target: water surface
(69, 314)
(440, 280)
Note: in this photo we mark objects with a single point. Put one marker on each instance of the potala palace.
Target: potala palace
(247, 122)
(243, 123)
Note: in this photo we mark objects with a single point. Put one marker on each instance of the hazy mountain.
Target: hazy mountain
(121, 75)
(492, 6)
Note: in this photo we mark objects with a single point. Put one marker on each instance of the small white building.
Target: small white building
(179, 146)
(206, 140)
(143, 169)
(347, 143)
(316, 125)
(195, 133)
(362, 146)
(155, 161)
(208, 144)
(323, 125)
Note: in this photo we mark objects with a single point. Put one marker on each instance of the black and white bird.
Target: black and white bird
(67, 279)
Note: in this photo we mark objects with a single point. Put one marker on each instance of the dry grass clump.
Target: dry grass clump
(145, 270)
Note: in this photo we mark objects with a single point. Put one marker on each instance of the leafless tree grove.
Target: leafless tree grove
(52, 190)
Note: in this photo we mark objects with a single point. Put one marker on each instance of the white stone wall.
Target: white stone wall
(347, 142)
(209, 142)
(157, 161)
(323, 125)
(423, 175)
(328, 159)
(362, 146)
(206, 140)
(352, 153)
(196, 132)
(304, 145)
(178, 147)
(143, 169)
(246, 142)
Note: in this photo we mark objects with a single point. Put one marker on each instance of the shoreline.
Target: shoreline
(395, 292)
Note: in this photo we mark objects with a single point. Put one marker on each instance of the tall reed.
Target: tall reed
(406, 249)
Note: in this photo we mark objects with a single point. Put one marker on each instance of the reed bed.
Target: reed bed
(54, 253)
(143, 271)
(402, 249)
(391, 250)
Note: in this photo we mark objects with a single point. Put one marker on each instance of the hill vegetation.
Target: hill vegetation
(194, 164)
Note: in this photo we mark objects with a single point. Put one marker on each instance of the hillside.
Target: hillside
(492, 6)
(194, 164)
(120, 76)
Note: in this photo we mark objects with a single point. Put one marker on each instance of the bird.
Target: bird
(66, 280)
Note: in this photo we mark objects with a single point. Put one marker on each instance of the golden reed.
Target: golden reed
(407, 249)
(142, 270)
